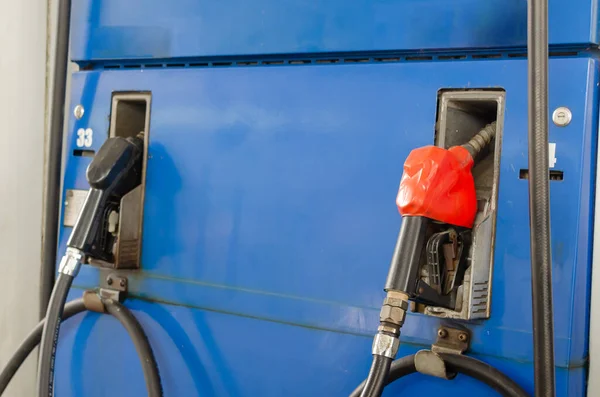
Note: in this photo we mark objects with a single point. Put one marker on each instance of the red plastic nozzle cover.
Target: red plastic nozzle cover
(437, 183)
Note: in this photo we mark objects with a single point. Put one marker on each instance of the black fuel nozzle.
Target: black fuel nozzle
(115, 171)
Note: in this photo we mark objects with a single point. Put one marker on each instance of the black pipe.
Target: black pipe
(45, 381)
(375, 382)
(539, 199)
(459, 364)
(399, 368)
(142, 345)
(483, 372)
(121, 313)
(31, 342)
(54, 155)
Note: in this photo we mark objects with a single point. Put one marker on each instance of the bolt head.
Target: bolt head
(109, 280)
(78, 112)
(442, 333)
(122, 282)
(562, 116)
(463, 337)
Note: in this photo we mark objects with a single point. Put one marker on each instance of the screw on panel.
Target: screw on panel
(109, 280)
(78, 112)
(562, 116)
(442, 333)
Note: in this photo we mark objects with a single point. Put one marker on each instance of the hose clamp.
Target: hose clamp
(430, 363)
(385, 345)
(71, 262)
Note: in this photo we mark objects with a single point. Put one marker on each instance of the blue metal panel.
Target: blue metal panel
(270, 217)
(115, 29)
(204, 353)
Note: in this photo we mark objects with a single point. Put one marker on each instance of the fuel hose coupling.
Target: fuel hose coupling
(71, 262)
(385, 345)
(391, 319)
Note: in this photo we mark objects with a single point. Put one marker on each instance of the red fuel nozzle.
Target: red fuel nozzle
(437, 184)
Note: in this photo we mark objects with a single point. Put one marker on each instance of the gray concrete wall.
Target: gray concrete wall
(23, 33)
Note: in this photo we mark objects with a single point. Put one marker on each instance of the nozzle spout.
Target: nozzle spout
(481, 140)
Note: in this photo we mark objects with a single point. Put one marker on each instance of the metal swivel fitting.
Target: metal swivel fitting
(393, 312)
(391, 319)
(71, 262)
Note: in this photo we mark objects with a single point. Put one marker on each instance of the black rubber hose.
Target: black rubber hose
(484, 373)
(142, 345)
(54, 314)
(54, 155)
(399, 368)
(31, 342)
(539, 199)
(121, 313)
(380, 368)
(460, 364)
